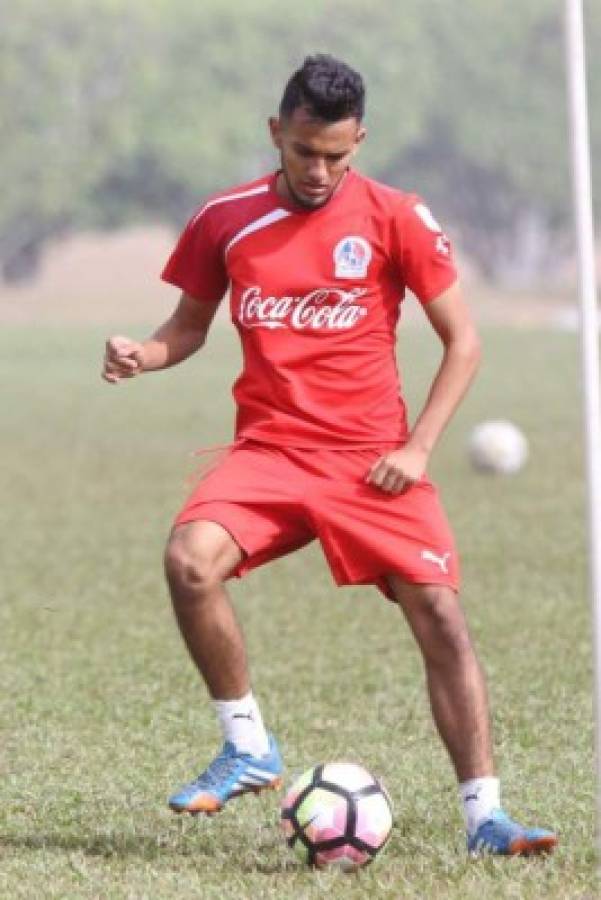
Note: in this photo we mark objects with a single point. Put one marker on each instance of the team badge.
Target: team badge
(352, 256)
(443, 245)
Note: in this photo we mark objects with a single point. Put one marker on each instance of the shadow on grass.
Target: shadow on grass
(124, 845)
(109, 845)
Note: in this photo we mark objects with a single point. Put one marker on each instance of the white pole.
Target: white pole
(581, 163)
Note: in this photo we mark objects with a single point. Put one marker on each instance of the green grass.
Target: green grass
(102, 714)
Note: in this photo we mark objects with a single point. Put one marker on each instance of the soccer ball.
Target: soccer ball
(497, 446)
(337, 814)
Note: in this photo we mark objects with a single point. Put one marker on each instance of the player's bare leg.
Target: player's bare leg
(199, 556)
(459, 702)
(455, 679)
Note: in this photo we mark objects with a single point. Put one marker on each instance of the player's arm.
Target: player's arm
(183, 333)
(451, 320)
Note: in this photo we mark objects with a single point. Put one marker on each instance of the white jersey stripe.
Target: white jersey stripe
(261, 189)
(268, 219)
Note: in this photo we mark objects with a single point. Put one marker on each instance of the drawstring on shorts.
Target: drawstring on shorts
(214, 455)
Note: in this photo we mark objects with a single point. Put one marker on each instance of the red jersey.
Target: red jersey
(315, 296)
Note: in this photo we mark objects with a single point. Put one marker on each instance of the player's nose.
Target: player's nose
(318, 171)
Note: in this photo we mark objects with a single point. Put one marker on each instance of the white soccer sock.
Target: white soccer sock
(242, 724)
(480, 796)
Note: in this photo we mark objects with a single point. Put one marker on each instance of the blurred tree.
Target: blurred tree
(113, 112)
(494, 151)
(64, 69)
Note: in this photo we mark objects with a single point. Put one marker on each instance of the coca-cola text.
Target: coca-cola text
(331, 308)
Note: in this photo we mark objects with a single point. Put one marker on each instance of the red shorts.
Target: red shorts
(273, 500)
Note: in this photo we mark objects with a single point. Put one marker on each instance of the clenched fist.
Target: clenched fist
(398, 470)
(123, 358)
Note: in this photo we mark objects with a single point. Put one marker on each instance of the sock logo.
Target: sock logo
(475, 796)
(248, 716)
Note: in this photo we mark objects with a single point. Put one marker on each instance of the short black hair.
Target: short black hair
(327, 88)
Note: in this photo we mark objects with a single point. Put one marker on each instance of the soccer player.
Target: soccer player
(317, 259)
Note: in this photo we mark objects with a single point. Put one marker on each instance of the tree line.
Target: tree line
(116, 112)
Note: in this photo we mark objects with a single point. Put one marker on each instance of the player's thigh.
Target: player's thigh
(201, 550)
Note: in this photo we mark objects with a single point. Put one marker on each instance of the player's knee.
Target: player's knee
(191, 572)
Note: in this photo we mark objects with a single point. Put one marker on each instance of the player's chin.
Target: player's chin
(314, 200)
(313, 204)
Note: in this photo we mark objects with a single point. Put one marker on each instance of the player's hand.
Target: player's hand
(123, 358)
(398, 470)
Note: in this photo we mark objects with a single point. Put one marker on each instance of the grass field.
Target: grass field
(102, 714)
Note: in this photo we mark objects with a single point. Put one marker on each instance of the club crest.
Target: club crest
(352, 256)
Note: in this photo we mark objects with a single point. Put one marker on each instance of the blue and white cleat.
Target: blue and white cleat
(501, 836)
(230, 775)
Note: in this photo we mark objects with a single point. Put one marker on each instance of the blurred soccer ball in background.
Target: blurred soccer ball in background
(497, 447)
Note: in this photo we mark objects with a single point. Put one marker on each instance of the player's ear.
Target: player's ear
(275, 129)
(361, 134)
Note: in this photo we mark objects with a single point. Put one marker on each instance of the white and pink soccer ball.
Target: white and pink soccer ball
(337, 814)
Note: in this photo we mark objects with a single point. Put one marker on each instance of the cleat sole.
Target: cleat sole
(524, 847)
(203, 804)
(210, 805)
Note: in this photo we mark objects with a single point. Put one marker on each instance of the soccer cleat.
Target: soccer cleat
(230, 775)
(502, 836)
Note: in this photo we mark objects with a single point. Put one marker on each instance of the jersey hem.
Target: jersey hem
(342, 444)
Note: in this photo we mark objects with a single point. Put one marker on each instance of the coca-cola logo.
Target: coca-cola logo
(323, 308)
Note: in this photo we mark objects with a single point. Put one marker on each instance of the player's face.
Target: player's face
(314, 155)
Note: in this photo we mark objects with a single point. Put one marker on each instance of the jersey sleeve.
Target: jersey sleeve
(197, 264)
(423, 251)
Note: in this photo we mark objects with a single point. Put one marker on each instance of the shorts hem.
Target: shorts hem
(381, 583)
(253, 556)
(189, 516)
